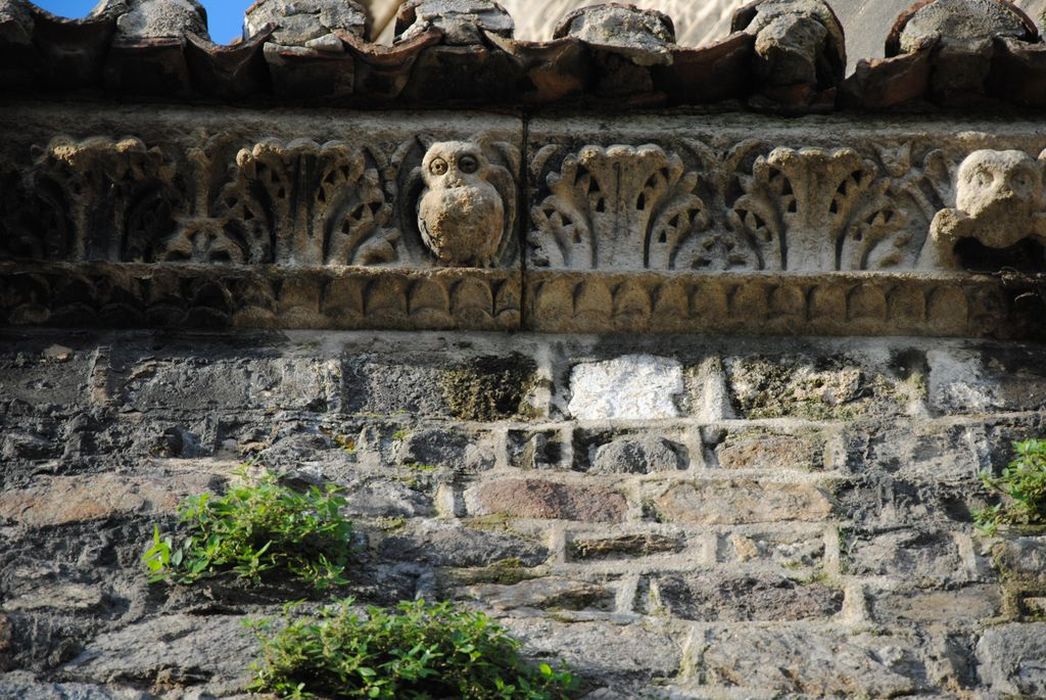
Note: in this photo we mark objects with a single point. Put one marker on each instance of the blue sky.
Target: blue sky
(224, 17)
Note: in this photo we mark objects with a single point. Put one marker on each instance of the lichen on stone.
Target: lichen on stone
(489, 388)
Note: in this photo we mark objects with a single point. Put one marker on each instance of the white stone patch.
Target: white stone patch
(956, 383)
(631, 387)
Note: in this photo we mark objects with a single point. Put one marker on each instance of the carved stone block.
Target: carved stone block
(309, 192)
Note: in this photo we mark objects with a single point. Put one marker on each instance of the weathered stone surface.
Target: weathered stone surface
(34, 378)
(912, 554)
(485, 388)
(153, 19)
(645, 36)
(446, 545)
(797, 42)
(1001, 379)
(1024, 557)
(717, 598)
(740, 501)
(594, 547)
(462, 22)
(771, 451)
(69, 596)
(307, 23)
(808, 662)
(69, 499)
(431, 447)
(636, 387)
(534, 498)
(969, 606)
(791, 550)
(765, 388)
(490, 388)
(230, 384)
(640, 455)
(549, 593)
(959, 22)
(25, 687)
(1011, 658)
(602, 648)
(539, 449)
(174, 650)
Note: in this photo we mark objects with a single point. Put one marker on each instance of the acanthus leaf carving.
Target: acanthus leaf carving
(324, 204)
(620, 206)
(812, 209)
(119, 197)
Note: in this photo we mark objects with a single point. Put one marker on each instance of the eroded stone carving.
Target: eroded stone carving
(120, 197)
(815, 209)
(458, 201)
(619, 206)
(323, 204)
(461, 215)
(998, 203)
(746, 208)
(645, 36)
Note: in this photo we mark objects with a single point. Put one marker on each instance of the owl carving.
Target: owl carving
(461, 213)
(998, 202)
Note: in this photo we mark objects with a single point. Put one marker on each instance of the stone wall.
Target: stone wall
(689, 394)
(689, 517)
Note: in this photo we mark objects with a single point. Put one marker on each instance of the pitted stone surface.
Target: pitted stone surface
(304, 22)
(959, 21)
(461, 21)
(1013, 659)
(646, 36)
(638, 387)
(155, 19)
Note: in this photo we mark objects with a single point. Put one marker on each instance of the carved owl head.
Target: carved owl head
(454, 164)
(1006, 182)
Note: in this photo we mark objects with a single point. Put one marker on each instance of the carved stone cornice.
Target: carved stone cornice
(681, 222)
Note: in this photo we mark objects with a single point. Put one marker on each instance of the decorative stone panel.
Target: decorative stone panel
(676, 224)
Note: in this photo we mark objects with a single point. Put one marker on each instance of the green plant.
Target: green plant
(256, 529)
(418, 650)
(1023, 485)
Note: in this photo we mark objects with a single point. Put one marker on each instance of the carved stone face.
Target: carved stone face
(454, 164)
(1004, 183)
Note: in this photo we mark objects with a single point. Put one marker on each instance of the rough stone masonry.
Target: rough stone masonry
(682, 362)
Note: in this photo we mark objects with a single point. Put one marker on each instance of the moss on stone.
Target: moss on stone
(828, 390)
(489, 388)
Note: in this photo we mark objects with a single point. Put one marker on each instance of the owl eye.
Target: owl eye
(468, 164)
(983, 178)
(1022, 181)
(438, 166)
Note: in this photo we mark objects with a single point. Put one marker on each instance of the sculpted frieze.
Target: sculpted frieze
(680, 223)
(750, 205)
(225, 197)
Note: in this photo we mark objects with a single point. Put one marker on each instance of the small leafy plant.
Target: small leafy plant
(256, 529)
(418, 650)
(1023, 485)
